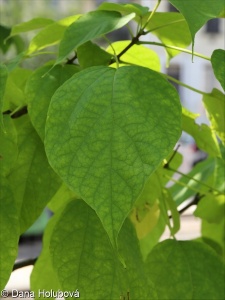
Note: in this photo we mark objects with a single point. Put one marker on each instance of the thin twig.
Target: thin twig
(24, 263)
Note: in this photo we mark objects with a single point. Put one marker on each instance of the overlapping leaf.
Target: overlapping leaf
(177, 267)
(90, 260)
(104, 136)
(9, 230)
(90, 54)
(89, 26)
(39, 90)
(126, 8)
(51, 34)
(136, 55)
(218, 64)
(33, 24)
(8, 145)
(198, 12)
(14, 90)
(204, 136)
(3, 79)
(33, 181)
(47, 280)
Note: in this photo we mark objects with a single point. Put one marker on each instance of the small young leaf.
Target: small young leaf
(33, 24)
(90, 54)
(136, 55)
(10, 230)
(214, 103)
(40, 89)
(89, 26)
(198, 13)
(167, 266)
(108, 111)
(218, 64)
(171, 29)
(51, 34)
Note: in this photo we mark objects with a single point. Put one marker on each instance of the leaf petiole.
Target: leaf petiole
(174, 48)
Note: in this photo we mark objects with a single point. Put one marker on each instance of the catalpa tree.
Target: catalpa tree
(91, 134)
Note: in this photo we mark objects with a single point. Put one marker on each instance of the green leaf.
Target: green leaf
(51, 34)
(204, 136)
(211, 208)
(39, 90)
(48, 279)
(125, 8)
(33, 24)
(177, 268)
(9, 224)
(119, 119)
(90, 26)
(218, 59)
(3, 80)
(14, 91)
(198, 12)
(33, 181)
(90, 260)
(90, 54)
(8, 145)
(215, 103)
(171, 29)
(137, 55)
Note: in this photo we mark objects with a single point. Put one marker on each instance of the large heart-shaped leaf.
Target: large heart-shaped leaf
(107, 130)
(198, 12)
